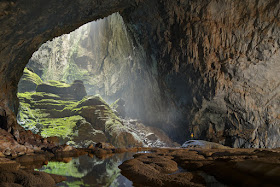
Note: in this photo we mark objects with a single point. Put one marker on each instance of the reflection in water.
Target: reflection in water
(87, 171)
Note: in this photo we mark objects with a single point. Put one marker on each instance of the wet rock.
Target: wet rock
(53, 140)
(9, 146)
(25, 178)
(67, 148)
(32, 158)
(120, 150)
(245, 173)
(203, 144)
(91, 146)
(6, 184)
(63, 149)
(232, 167)
(104, 145)
(58, 178)
(8, 165)
(150, 169)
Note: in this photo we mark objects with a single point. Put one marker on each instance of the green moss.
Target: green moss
(37, 96)
(25, 95)
(113, 124)
(58, 84)
(115, 105)
(96, 97)
(48, 115)
(31, 77)
(60, 127)
(57, 101)
(34, 114)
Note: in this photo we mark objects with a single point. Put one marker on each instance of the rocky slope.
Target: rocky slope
(62, 110)
(217, 61)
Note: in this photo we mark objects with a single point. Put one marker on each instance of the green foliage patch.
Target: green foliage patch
(60, 127)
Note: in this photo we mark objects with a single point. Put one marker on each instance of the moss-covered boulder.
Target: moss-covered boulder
(119, 135)
(86, 135)
(97, 112)
(79, 123)
(29, 81)
(119, 107)
(75, 91)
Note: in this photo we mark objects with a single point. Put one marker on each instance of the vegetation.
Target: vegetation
(53, 115)
(36, 114)
(31, 77)
(115, 105)
(58, 84)
(48, 115)
(60, 127)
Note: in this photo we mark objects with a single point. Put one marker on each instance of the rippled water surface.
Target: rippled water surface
(90, 170)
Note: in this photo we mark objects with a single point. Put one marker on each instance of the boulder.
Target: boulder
(9, 146)
(25, 178)
(67, 148)
(104, 145)
(100, 115)
(155, 170)
(203, 144)
(119, 107)
(87, 135)
(75, 91)
(8, 165)
(29, 81)
(91, 146)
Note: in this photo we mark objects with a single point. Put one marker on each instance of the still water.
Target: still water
(87, 171)
(90, 170)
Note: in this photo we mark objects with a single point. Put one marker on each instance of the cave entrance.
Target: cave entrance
(82, 87)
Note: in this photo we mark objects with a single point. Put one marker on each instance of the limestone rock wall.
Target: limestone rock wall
(218, 63)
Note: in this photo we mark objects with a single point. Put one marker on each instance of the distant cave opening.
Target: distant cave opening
(92, 85)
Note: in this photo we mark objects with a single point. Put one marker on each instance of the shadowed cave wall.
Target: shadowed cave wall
(217, 61)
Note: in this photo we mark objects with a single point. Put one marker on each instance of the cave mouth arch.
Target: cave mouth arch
(82, 87)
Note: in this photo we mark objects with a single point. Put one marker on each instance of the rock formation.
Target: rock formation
(29, 81)
(75, 91)
(62, 110)
(204, 167)
(216, 62)
(218, 65)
